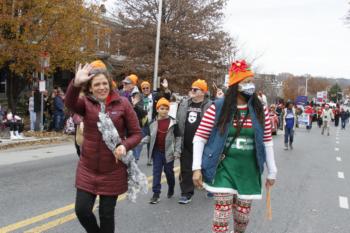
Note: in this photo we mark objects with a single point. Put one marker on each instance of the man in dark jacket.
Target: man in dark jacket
(189, 115)
(59, 111)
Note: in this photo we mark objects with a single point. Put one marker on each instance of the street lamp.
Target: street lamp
(156, 59)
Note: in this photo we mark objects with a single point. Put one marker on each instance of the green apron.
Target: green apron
(238, 171)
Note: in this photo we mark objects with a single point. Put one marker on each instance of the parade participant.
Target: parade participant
(343, 118)
(231, 146)
(327, 116)
(143, 121)
(262, 98)
(99, 171)
(150, 99)
(336, 112)
(319, 118)
(165, 147)
(189, 115)
(130, 86)
(274, 119)
(289, 123)
(310, 112)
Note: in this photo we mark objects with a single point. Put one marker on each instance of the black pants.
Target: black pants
(14, 126)
(186, 183)
(84, 204)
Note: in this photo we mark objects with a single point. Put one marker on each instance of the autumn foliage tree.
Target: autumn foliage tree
(192, 44)
(63, 28)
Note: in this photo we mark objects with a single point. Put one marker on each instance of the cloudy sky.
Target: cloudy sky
(296, 36)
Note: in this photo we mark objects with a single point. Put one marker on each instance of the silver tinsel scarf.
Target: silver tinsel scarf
(137, 181)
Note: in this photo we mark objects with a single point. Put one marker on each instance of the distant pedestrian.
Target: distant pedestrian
(336, 113)
(309, 110)
(32, 114)
(262, 98)
(58, 114)
(165, 147)
(231, 146)
(289, 123)
(343, 118)
(14, 122)
(189, 115)
(327, 116)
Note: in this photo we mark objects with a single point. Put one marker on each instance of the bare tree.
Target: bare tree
(192, 45)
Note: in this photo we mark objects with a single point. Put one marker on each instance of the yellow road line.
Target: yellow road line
(72, 216)
(50, 214)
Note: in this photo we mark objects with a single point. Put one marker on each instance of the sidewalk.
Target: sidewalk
(35, 138)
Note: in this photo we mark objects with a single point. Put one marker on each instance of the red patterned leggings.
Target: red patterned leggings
(224, 205)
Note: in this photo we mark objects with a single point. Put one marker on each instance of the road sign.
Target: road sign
(44, 60)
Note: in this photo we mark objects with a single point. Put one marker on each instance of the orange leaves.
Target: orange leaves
(57, 26)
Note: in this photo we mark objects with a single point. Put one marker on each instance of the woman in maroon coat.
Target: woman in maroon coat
(99, 171)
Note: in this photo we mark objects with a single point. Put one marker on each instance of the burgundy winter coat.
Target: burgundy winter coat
(97, 170)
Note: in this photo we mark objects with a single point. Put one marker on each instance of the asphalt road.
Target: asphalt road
(310, 196)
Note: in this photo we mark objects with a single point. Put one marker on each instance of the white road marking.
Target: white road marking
(341, 175)
(343, 202)
(336, 138)
(336, 149)
(337, 142)
(338, 159)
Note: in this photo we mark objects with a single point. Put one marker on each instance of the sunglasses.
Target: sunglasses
(195, 89)
(145, 88)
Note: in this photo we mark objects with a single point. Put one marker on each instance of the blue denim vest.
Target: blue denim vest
(216, 143)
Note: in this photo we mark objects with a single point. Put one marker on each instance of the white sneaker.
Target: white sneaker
(13, 136)
(19, 136)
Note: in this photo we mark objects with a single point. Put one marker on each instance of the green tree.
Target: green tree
(335, 93)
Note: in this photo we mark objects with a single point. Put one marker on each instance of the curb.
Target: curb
(36, 141)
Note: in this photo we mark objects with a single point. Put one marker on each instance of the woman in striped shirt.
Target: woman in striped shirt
(230, 148)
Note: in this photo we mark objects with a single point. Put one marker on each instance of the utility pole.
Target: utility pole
(156, 60)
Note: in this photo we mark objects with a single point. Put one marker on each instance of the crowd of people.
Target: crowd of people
(209, 136)
(222, 141)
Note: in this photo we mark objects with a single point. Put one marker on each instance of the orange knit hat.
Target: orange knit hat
(145, 84)
(163, 101)
(132, 78)
(98, 64)
(239, 71)
(201, 84)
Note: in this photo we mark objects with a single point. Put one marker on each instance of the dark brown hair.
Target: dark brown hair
(229, 109)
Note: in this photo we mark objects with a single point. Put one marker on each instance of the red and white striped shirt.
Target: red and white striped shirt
(208, 121)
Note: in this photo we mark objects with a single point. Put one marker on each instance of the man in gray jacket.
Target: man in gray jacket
(189, 115)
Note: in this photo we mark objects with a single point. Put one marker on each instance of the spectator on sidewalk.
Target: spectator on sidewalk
(165, 147)
(100, 171)
(32, 114)
(14, 122)
(58, 114)
(189, 115)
